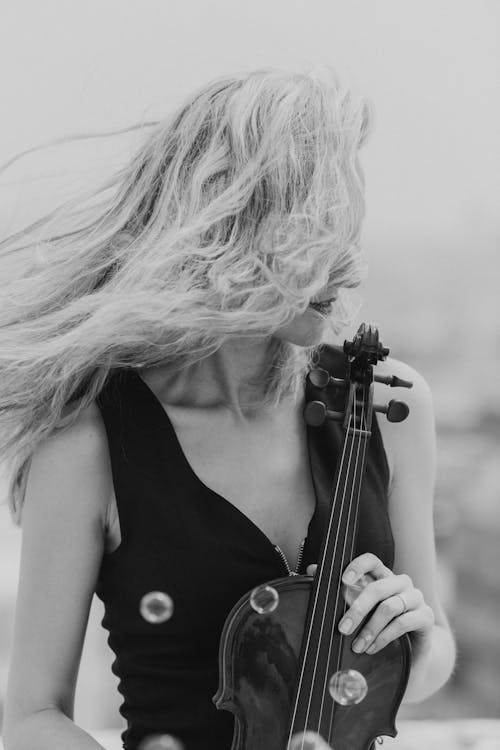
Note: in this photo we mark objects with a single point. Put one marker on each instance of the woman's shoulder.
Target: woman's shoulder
(419, 395)
(411, 442)
(84, 438)
(78, 451)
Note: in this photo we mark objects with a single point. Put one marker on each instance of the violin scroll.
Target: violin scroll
(366, 345)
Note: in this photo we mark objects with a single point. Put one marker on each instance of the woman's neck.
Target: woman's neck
(232, 378)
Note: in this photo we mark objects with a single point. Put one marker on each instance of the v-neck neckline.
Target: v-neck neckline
(242, 517)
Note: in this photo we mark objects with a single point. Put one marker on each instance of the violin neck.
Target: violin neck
(337, 549)
(326, 606)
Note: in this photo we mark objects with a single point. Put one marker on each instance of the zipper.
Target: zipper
(289, 571)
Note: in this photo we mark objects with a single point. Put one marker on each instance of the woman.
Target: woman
(152, 390)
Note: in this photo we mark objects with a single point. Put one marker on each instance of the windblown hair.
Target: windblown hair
(233, 214)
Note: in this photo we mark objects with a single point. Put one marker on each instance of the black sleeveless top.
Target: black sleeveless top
(182, 538)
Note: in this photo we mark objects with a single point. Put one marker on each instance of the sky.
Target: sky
(431, 69)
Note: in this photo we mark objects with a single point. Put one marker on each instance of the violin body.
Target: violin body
(259, 660)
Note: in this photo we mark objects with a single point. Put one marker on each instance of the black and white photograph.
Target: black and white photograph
(249, 373)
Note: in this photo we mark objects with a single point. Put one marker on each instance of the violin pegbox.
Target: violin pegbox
(362, 354)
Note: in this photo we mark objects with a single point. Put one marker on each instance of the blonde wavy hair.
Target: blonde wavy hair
(233, 214)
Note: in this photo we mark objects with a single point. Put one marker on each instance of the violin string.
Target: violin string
(357, 433)
(327, 676)
(326, 662)
(338, 530)
(361, 441)
(356, 444)
(318, 587)
(365, 442)
(315, 603)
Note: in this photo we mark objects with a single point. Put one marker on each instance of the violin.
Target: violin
(284, 667)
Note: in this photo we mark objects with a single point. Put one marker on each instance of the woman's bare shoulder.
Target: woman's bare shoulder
(78, 450)
(402, 439)
(418, 396)
(391, 366)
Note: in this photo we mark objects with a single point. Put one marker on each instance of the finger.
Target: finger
(308, 741)
(311, 570)
(366, 563)
(387, 612)
(419, 619)
(352, 591)
(381, 590)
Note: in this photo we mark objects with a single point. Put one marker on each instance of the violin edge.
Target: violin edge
(220, 699)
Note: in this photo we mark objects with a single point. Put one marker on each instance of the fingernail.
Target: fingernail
(358, 645)
(345, 626)
(349, 577)
(371, 650)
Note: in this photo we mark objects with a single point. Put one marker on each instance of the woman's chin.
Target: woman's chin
(306, 330)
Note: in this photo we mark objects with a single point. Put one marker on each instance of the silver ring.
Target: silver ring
(405, 606)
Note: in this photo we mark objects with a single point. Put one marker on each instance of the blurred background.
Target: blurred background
(432, 231)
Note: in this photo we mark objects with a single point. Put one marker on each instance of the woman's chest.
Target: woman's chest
(262, 469)
(266, 477)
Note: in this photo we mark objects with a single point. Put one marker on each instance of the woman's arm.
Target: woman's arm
(411, 452)
(406, 599)
(62, 545)
(48, 728)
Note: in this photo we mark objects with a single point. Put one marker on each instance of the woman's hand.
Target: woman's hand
(400, 607)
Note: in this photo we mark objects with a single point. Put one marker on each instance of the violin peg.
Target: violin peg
(393, 381)
(319, 378)
(315, 413)
(395, 411)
